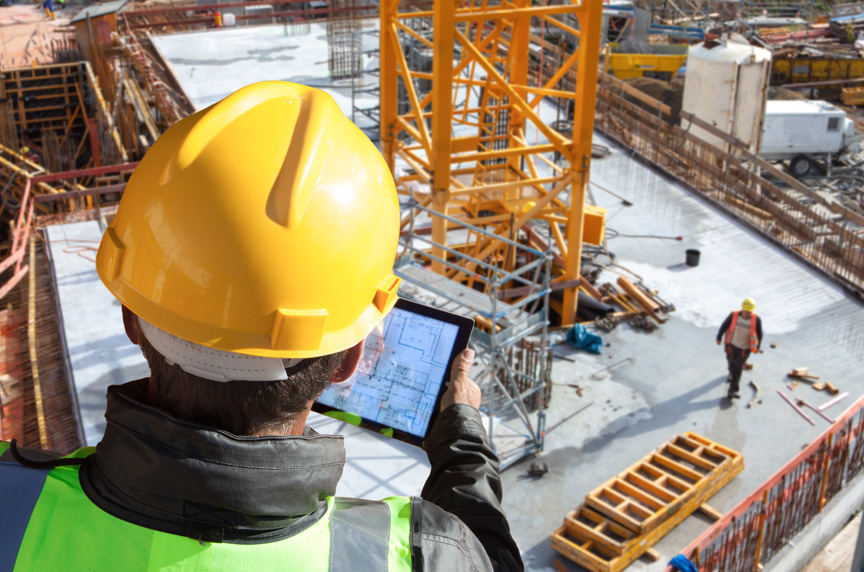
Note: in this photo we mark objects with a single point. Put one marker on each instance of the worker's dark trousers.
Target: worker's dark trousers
(736, 357)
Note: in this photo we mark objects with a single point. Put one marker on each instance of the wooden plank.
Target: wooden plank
(579, 553)
(633, 92)
(678, 468)
(581, 530)
(651, 487)
(642, 496)
(691, 458)
(710, 511)
(716, 447)
(644, 301)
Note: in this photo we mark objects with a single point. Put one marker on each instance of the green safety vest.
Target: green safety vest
(47, 523)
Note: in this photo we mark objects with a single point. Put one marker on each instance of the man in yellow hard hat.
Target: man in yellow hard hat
(741, 333)
(252, 253)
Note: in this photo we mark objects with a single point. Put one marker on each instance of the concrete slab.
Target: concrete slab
(677, 381)
(213, 64)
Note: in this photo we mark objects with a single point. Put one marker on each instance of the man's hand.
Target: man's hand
(461, 388)
(718, 342)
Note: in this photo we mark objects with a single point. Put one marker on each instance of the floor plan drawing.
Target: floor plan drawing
(401, 371)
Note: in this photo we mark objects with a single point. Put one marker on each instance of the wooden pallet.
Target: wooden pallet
(676, 476)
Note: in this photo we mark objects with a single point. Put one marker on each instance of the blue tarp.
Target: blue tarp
(683, 564)
(581, 339)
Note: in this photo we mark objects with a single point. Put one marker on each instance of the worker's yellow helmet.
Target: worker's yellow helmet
(748, 305)
(266, 225)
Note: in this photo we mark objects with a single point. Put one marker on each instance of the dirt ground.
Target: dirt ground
(26, 34)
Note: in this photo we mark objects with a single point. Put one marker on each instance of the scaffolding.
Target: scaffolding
(494, 227)
(343, 40)
(510, 339)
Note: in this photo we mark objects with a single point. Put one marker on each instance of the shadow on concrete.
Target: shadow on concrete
(671, 412)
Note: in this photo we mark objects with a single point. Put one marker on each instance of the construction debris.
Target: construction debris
(834, 401)
(802, 373)
(756, 392)
(538, 469)
(802, 403)
(795, 407)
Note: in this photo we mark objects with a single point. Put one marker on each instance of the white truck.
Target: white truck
(799, 131)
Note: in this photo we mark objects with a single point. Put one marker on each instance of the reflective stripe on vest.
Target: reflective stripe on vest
(65, 531)
(754, 338)
(21, 490)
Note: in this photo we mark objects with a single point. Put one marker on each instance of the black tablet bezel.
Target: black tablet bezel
(465, 325)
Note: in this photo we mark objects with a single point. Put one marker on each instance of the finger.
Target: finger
(462, 365)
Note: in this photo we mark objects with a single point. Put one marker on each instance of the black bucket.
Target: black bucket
(692, 257)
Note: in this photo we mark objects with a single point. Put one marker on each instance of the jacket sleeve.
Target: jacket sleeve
(724, 326)
(465, 482)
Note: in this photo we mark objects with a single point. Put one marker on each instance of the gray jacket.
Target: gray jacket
(141, 472)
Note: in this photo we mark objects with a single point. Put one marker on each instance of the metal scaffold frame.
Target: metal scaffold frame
(467, 140)
(515, 385)
(494, 223)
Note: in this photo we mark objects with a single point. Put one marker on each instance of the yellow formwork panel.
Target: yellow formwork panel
(623, 518)
(810, 70)
(635, 65)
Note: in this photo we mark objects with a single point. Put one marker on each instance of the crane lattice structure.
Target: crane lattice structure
(465, 131)
(467, 139)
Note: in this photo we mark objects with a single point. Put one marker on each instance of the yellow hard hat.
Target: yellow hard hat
(266, 225)
(748, 305)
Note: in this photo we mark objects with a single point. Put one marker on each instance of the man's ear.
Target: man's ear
(349, 364)
(131, 324)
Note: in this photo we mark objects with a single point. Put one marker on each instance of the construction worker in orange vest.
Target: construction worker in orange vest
(741, 332)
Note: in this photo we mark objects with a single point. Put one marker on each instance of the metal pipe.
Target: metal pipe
(798, 409)
(834, 401)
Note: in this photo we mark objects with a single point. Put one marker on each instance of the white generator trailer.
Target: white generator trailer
(800, 131)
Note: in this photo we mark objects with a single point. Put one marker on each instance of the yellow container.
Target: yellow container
(635, 65)
(852, 96)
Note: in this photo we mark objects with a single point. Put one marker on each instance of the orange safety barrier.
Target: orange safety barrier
(760, 526)
(25, 218)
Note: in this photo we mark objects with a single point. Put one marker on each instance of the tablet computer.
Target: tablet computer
(404, 371)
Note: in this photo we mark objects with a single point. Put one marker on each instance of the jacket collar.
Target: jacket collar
(158, 471)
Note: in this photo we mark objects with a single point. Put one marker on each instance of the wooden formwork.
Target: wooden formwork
(46, 98)
(623, 518)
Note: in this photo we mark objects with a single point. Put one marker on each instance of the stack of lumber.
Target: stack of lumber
(622, 519)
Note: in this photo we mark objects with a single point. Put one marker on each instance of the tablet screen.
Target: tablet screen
(402, 372)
